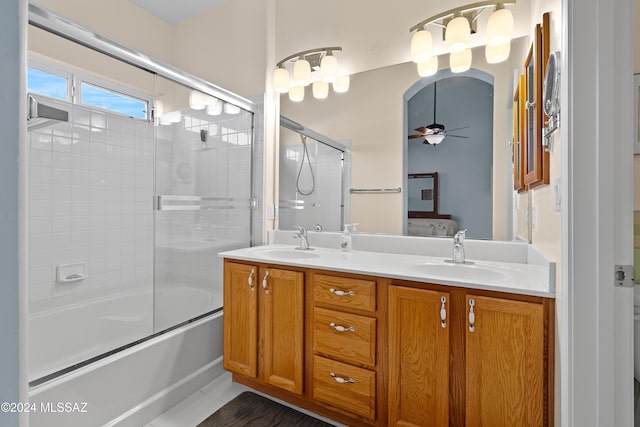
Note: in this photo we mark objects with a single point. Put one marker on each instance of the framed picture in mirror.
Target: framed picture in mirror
(423, 196)
(518, 135)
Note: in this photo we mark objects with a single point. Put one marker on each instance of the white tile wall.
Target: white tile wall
(90, 196)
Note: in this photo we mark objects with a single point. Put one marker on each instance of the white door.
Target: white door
(597, 361)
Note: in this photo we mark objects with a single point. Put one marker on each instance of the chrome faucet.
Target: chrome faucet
(458, 247)
(302, 235)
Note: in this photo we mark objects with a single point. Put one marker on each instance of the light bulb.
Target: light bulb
(281, 80)
(499, 27)
(497, 53)
(214, 108)
(341, 85)
(457, 34)
(197, 100)
(329, 68)
(301, 72)
(460, 62)
(428, 68)
(296, 93)
(320, 89)
(434, 139)
(231, 109)
(421, 46)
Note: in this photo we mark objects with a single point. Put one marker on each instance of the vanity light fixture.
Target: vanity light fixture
(458, 25)
(318, 67)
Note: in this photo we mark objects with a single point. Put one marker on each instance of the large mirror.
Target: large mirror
(374, 117)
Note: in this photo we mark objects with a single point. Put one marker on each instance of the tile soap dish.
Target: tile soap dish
(66, 273)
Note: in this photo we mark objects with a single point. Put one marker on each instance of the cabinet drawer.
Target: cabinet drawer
(344, 386)
(344, 292)
(348, 337)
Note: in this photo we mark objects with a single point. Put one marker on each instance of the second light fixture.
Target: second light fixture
(316, 67)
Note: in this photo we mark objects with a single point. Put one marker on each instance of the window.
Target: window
(47, 84)
(113, 101)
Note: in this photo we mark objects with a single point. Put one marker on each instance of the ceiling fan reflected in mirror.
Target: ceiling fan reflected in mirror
(434, 133)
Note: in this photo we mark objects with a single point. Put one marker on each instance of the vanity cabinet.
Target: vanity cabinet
(504, 363)
(264, 324)
(374, 351)
(418, 357)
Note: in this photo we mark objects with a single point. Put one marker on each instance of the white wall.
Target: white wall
(12, 122)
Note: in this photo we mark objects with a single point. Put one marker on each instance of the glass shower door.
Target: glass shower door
(203, 187)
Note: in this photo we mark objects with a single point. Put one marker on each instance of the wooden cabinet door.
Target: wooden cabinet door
(282, 302)
(418, 358)
(504, 363)
(241, 318)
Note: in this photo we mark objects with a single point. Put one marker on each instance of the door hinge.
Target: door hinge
(624, 276)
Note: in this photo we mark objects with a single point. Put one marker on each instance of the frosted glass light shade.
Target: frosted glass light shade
(329, 68)
(281, 80)
(172, 117)
(434, 139)
(499, 27)
(497, 53)
(341, 85)
(214, 108)
(428, 68)
(301, 72)
(296, 93)
(457, 36)
(320, 89)
(461, 61)
(197, 100)
(231, 109)
(421, 46)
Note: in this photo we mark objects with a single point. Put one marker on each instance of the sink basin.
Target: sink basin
(285, 253)
(466, 272)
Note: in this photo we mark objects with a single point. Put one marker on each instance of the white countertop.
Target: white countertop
(517, 278)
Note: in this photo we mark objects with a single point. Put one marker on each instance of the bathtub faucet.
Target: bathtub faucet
(302, 235)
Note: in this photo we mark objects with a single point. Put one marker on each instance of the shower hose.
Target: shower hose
(305, 153)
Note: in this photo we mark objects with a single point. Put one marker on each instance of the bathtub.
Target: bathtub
(134, 386)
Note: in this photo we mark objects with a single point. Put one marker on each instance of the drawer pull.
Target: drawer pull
(250, 281)
(341, 380)
(264, 282)
(443, 312)
(342, 328)
(342, 293)
(472, 316)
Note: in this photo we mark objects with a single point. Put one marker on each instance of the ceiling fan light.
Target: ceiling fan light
(421, 46)
(281, 80)
(497, 53)
(457, 35)
(320, 89)
(301, 72)
(428, 68)
(434, 139)
(461, 61)
(296, 93)
(500, 27)
(329, 68)
(341, 85)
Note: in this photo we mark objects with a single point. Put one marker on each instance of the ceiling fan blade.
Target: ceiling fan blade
(416, 136)
(458, 136)
(421, 129)
(463, 127)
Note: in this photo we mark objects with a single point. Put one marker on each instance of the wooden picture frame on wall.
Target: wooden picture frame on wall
(536, 159)
(518, 135)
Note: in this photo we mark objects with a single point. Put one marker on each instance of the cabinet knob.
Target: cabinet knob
(264, 282)
(342, 293)
(342, 328)
(250, 281)
(472, 315)
(342, 380)
(443, 312)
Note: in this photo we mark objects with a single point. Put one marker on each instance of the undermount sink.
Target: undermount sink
(286, 253)
(466, 272)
